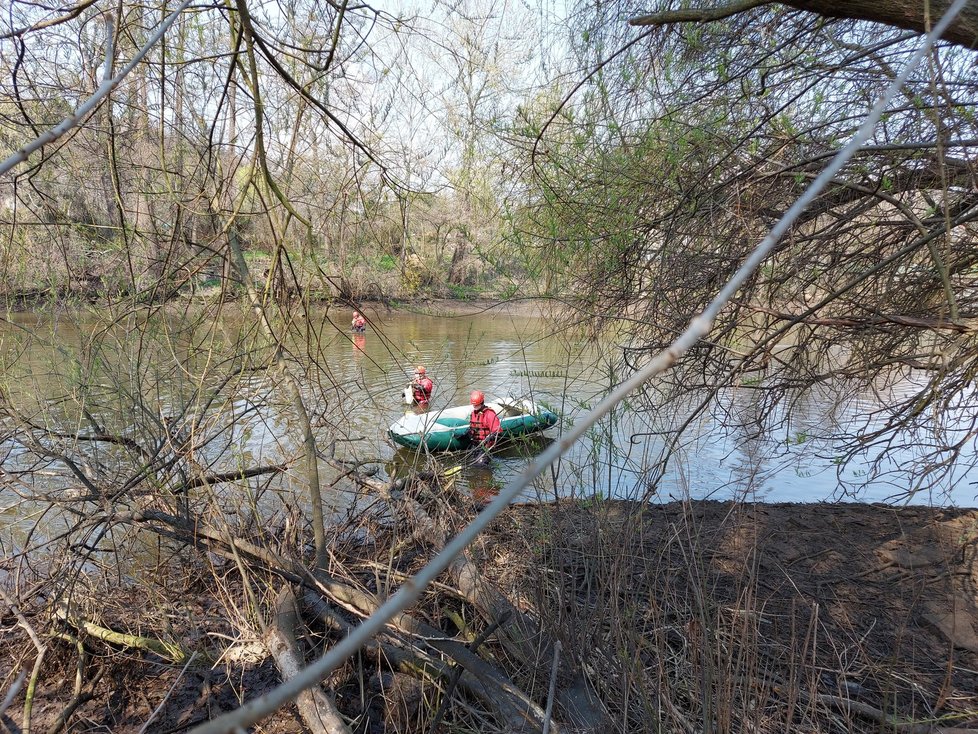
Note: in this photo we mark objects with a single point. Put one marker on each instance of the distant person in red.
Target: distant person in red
(422, 387)
(484, 426)
(359, 324)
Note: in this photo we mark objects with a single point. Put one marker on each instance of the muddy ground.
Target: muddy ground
(677, 617)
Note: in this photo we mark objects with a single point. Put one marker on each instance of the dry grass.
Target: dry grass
(678, 618)
(727, 618)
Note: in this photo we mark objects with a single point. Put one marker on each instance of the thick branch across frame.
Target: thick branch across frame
(71, 14)
(697, 15)
(963, 31)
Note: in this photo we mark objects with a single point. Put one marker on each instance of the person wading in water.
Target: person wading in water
(358, 324)
(422, 387)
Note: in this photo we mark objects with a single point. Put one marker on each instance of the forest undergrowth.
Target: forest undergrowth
(572, 616)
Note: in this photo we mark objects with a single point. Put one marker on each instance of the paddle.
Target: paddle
(513, 409)
(477, 455)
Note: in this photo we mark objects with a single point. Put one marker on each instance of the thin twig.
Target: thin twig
(104, 89)
(168, 694)
(553, 688)
(458, 669)
(12, 693)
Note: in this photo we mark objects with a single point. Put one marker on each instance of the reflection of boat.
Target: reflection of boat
(448, 429)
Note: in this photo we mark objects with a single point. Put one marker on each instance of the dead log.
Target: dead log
(168, 650)
(517, 710)
(510, 704)
(316, 708)
(418, 664)
(520, 635)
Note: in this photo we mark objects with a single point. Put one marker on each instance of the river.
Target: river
(353, 385)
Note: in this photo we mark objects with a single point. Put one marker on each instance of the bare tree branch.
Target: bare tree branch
(71, 14)
(104, 89)
(908, 15)
(697, 15)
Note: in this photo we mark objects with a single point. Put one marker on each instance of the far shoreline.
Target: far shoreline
(526, 307)
(451, 307)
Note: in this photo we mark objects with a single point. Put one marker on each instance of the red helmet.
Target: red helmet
(477, 398)
(419, 369)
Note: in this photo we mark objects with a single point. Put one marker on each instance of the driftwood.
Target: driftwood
(490, 686)
(316, 708)
(519, 634)
(418, 664)
(495, 690)
(169, 650)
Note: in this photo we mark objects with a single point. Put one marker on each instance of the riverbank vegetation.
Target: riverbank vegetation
(610, 616)
(160, 571)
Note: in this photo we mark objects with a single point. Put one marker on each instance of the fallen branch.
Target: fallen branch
(417, 664)
(399, 658)
(520, 635)
(456, 675)
(316, 708)
(80, 696)
(230, 476)
(168, 650)
(873, 714)
(505, 699)
(41, 648)
(507, 702)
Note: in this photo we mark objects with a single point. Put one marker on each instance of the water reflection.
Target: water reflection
(736, 448)
(480, 479)
(483, 483)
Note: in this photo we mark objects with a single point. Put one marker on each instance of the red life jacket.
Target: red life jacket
(422, 390)
(483, 424)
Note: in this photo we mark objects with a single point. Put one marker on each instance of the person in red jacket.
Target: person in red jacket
(484, 428)
(422, 387)
(358, 324)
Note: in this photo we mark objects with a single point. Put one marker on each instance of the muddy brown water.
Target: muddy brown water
(354, 389)
(892, 584)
